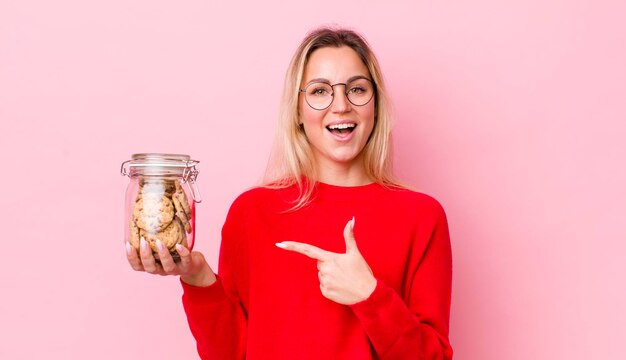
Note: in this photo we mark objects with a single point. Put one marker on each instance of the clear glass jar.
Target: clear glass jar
(160, 200)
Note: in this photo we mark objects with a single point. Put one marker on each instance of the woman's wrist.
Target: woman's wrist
(368, 288)
(205, 277)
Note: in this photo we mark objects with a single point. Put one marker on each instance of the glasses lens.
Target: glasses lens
(319, 95)
(360, 91)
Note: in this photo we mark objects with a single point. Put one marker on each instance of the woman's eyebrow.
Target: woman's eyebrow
(356, 77)
(318, 80)
(352, 78)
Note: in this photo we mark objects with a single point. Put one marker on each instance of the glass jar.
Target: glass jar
(160, 201)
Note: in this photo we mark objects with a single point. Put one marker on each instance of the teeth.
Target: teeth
(341, 126)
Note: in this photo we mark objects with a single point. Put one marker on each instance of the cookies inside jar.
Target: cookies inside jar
(161, 211)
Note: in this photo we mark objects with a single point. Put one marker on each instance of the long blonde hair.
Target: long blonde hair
(292, 161)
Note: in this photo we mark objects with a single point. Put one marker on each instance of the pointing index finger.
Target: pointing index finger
(306, 249)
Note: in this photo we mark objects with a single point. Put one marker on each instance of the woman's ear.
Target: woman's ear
(301, 126)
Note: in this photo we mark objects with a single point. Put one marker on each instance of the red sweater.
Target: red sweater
(267, 302)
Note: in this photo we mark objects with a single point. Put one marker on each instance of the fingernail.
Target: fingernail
(353, 222)
(159, 244)
(179, 247)
(129, 248)
(281, 245)
(143, 244)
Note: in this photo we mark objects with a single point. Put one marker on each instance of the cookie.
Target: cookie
(180, 214)
(134, 235)
(182, 197)
(153, 213)
(170, 236)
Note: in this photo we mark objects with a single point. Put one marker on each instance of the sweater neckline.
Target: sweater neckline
(338, 192)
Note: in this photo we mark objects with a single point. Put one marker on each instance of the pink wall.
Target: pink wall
(510, 113)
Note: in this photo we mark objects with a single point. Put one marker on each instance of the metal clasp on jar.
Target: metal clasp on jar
(189, 177)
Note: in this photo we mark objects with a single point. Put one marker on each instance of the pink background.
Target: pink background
(511, 113)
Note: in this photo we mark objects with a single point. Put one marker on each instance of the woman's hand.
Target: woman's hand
(344, 278)
(192, 267)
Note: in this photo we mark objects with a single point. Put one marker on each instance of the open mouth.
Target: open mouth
(341, 129)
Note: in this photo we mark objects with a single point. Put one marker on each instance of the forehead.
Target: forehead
(335, 64)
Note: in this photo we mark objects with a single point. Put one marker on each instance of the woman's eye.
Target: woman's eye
(319, 91)
(357, 90)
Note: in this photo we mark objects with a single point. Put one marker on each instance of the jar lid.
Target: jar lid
(157, 164)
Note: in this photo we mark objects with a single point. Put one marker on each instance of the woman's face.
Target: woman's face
(338, 133)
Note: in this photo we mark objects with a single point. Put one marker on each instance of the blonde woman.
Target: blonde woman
(332, 258)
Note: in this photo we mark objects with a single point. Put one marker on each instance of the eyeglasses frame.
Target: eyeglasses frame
(333, 93)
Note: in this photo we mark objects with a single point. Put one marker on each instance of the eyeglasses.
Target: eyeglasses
(319, 95)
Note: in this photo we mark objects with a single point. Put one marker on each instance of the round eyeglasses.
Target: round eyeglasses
(319, 94)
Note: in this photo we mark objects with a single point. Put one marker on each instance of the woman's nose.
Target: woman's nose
(340, 102)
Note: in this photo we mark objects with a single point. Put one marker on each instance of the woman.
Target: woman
(331, 259)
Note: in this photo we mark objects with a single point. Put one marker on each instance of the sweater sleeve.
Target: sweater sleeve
(415, 325)
(216, 313)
